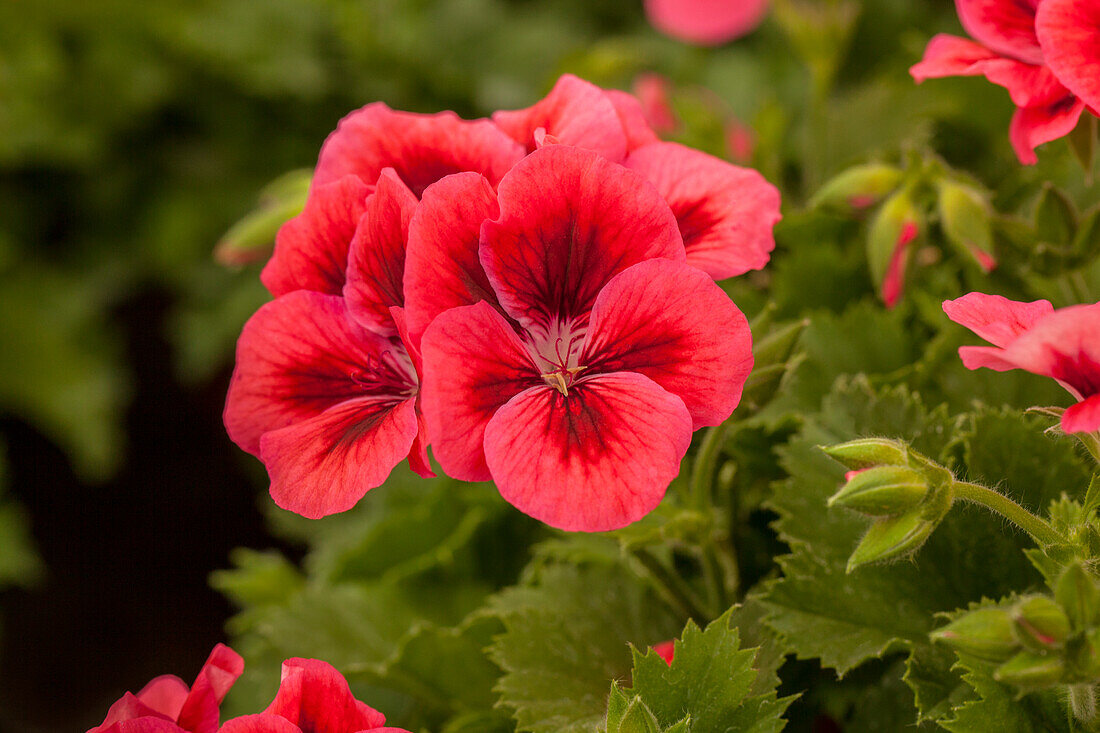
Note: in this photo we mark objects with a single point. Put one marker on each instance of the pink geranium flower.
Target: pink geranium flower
(313, 697)
(168, 705)
(1008, 53)
(1069, 36)
(1063, 344)
(705, 22)
(325, 388)
(725, 213)
(570, 352)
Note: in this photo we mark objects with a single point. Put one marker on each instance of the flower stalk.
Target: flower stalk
(1040, 531)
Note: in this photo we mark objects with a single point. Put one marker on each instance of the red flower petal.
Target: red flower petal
(1005, 26)
(301, 355)
(442, 269)
(316, 697)
(947, 55)
(165, 694)
(569, 222)
(596, 460)
(671, 323)
(996, 319)
(575, 112)
(953, 56)
(376, 262)
(421, 148)
(261, 723)
(131, 707)
(140, 725)
(473, 364)
(1063, 345)
(199, 713)
(326, 464)
(311, 250)
(633, 119)
(666, 650)
(1069, 33)
(706, 22)
(1084, 417)
(725, 213)
(1033, 126)
(653, 92)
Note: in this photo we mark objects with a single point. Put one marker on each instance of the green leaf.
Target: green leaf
(1055, 216)
(628, 714)
(567, 638)
(1000, 708)
(710, 680)
(846, 619)
(1092, 496)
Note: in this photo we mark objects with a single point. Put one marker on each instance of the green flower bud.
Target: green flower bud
(1030, 670)
(868, 452)
(892, 537)
(1077, 592)
(1040, 623)
(893, 230)
(858, 187)
(967, 221)
(252, 238)
(986, 633)
(882, 491)
(1055, 216)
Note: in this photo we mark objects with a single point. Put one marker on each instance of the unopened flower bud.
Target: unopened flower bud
(868, 452)
(986, 633)
(1077, 592)
(252, 238)
(1031, 670)
(892, 537)
(1055, 217)
(895, 227)
(882, 491)
(1040, 623)
(967, 221)
(858, 187)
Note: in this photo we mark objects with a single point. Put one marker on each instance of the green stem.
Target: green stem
(677, 592)
(716, 582)
(996, 502)
(702, 469)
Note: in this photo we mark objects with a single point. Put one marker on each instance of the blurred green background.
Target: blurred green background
(134, 134)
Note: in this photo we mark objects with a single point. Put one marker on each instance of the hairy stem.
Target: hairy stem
(998, 503)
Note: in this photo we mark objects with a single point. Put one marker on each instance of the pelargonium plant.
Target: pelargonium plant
(582, 432)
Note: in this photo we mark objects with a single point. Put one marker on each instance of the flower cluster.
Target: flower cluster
(531, 294)
(1046, 53)
(313, 698)
(1059, 343)
(706, 22)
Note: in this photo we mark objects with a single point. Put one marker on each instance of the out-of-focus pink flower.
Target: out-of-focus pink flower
(313, 697)
(666, 650)
(168, 705)
(740, 140)
(653, 92)
(1063, 344)
(1009, 54)
(1069, 36)
(706, 22)
(589, 351)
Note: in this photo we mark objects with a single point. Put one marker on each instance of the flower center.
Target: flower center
(557, 352)
(391, 373)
